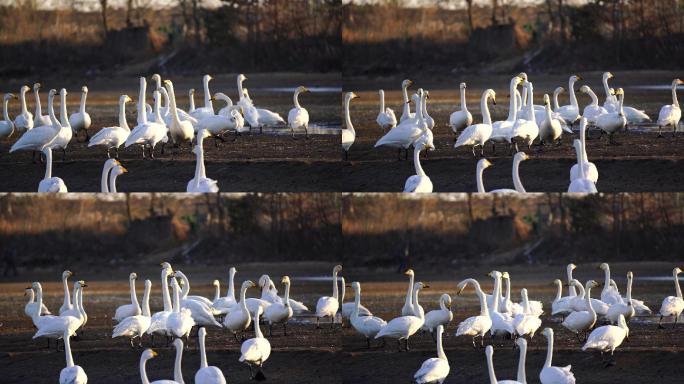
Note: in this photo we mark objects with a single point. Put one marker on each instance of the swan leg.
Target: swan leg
(318, 325)
(674, 130)
(306, 132)
(346, 155)
(152, 151)
(660, 132)
(473, 150)
(493, 148)
(285, 328)
(399, 344)
(367, 343)
(64, 154)
(407, 346)
(332, 322)
(270, 329)
(675, 322)
(399, 154)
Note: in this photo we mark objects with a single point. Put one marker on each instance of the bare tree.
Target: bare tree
(103, 10)
(469, 5)
(495, 8)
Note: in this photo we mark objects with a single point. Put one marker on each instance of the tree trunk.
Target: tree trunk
(469, 4)
(129, 11)
(495, 8)
(196, 20)
(103, 5)
(561, 20)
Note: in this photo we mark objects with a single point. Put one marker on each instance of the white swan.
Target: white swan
(50, 326)
(632, 115)
(403, 327)
(6, 125)
(502, 323)
(39, 119)
(116, 172)
(229, 103)
(501, 128)
(526, 323)
(386, 118)
(408, 131)
(593, 110)
(441, 316)
(607, 338)
(590, 170)
(77, 311)
(66, 304)
(615, 121)
(462, 118)
(180, 131)
(217, 125)
(536, 307)
(104, 177)
(550, 374)
(582, 184)
(132, 309)
(670, 114)
(228, 300)
(579, 302)
(185, 290)
(24, 121)
(201, 183)
(625, 308)
(406, 110)
(672, 305)
(298, 117)
(147, 134)
(348, 134)
(475, 325)
(136, 326)
(35, 139)
(65, 134)
(435, 369)
(568, 272)
(525, 130)
(280, 312)
(611, 103)
(428, 119)
(408, 308)
(521, 379)
(158, 322)
(420, 182)
(609, 294)
(31, 305)
(561, 305)
(49, 183)
(177, 374)
(239, 317)
(348, 308)
(256, 117)
(201, 308)
(71, 374)
(549, 128)
(484, 164)
(327, 306)
(255, 351)
(208, 109)
(81, 120)
(582, 321)
(269, 293)
(207, 374)
(571, 113)
(367, 325)
(114, 136)
(478, 134)
(180, 321)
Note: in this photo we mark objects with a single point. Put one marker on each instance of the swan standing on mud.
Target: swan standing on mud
(670, 114)
(386, 118)
(462, 118)
(113, 137)
(298, 117)
(81, 121)
(348, 134)
(478, 134)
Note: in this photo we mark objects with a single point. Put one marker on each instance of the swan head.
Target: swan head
(677, 82)
(263, 280)
(215, 283)
(420, 285)
(495, 274)
(84, 89)
(446, 299)
(522, 76)
(248, 284)
(593, 284)
(351, 96)
(415, 97)
(603, 266)
(28, 290)
(168, 83)
(463, 284)
(167, 266)
(63, 92)
(548, 332)
(36, 286)
(505, 276)
(677, 271)
(24, 89)
(484, 164)
(557, 282)
(148, 354)
(337, 268)
(132, 276)
(547, 99)
(157, 79)
(148, 284)
(409, 272)
(585, 89)
(406, 83)
(125, 99)
(119, 169)
(571, 267)
(67, 274)
(301, 89)
(425, 142)
(232, 271)
(521, 156)
(9, 96)
(285, 280)
(191, 92)
(462, 86)
(558, 91)
(575, 78)
(630, 275)
(607, 75)
(240, 77)
(356, 286)
(36, 86)
(80, 284)
(619, 92)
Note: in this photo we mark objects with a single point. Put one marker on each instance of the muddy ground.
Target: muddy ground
(253, 162)
(641, 162)
(308, 355)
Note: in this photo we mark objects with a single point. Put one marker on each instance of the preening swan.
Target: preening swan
(80, 121)
(30, 307)
(38, 138)
(571, 113)
(614, 121)
(476, 325)
(582, 321)
(435, 369)
(386, 118)
(670, 114)
(368, 325)
(207, 374)
(348, 134)
(607, 338)
(462, 118)
(49, 183)
(6, 125)
(441, 316)
(403, 327)
(477, 134)
(39, 119)
(593, 110)
(201, 183)
(420, 182)
(406, 110)
(348, 308)
(590, 170)
(239, 317)
(521, 379)
(136, 326)
(298, 117)
(177, 374)
(24, 121)
(132, 309)
(255, 351)
(113, 137)
(280, 312)
(327, 306)
(71, 374)
(673, 305)
(550, 374)
(581, 184)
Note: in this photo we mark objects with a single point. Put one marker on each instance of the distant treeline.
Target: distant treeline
(385, 37)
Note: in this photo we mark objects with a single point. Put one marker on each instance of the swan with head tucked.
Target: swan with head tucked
(525, 128)
(386, 118)
(39, 119)
(239, 317)
(147, 133)
(132, 309)
(435, 369)
(521, 379)
(298, 117)
(475, 325)
(255, 351)
(114, 136)
(177, 373)
(327, 306)
(477, 134)
(367, 325)
(24, 121)
(561, 305)
(6, 125)
(420, 182)
(670, 114)
(207, 374)
(625, 308)
(403, 327)
(201, 183)
(81, 121)
(35, 139)
(348, 308)
(673, 305)
(136, 326)
(612, 104)
(613, 121)
(581, 184)
(526, 323)
(550, 374)
(571, 113)
(593, 110)
(348, 133)
(439, 317)
(590, 170)
(406, 110)
(501, 128)
(72, 373)
(462, 118)
(607, 338)
(49, 183)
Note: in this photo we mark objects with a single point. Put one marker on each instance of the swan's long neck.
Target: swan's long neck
(177, 373)
(382, 100)
(415, 302)
(122, 116)
(200, 142)
(464, 107)
(231, 284)
(203, 352)
(207, 95)
(407, 107)
(530, 105)
(24, 110)
(522, 377)
(496, 294)
(629, 290)
(186, 287)
(103, 178)
(526, 302)
(112, 182)
(555, 99)
(80, 303)
(678, 289)
(571, 288)
(198, 164)
(166, 297)
(243, 301)
(416, 161)
(594, 98)
(172, 102)
(67, 350)
(559, 290)
(440, 348)
(84, 96)
(295, 98)
(74, 297)
(442, 305)
(478, 178)
(142, 113)
(39, 302)
(5, 114)
(606, 88)
(39, 111)
(490, 369)
(547, 108)
(134, 297)
(347, 117)
(257, 329)
(580, 161)
(486, 117)
(508, 289)
(409, 292)
(191, 99)
(606, 277)
(549, 351)
(65, 284)
(484, 311)
(217, 291)
(157, 108)
(31, 296)
(571, 91)
(286, 298)
(357, 301)
(675, 102)
(176, 295)
(516, 175)
(146, 301)
(143, 372)
(587, 296)
(583, 140)
(621, 101)
(48, 174)
(63, 115)
(343, 290)
(241, 94)
(334, 281)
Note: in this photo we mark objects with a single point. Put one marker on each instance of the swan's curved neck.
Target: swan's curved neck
(295, 98)
(80, 302)
(334, 282)
(675, 102)
(407, 107)
(522, 377)
(490, 369)
(382, 100)
(143, 372)
(67, 350)
(347, 117)
(48, 174)
(484, 311)
(157, 108)
(191, 100)
(526, 303)
(587, 296)
(606, 277)
(621, 101)
(629, 290)
(217, 291)
(231, 285)
(5, 114)
(176, 295)
(571, 288)
(559, 290)
(31, 296)
(84, 96)
(146, 301)
(39, 302)
(516, 175)
(172, 103)
(594, 98)
(122, 116)
(606, 88)
(241, 94)
(134, 297)
(65, 284)
(203, 352)
(678, 289)
(442, 305)
(343, 290)
(63, 115)
(103, 178)
(496, 294)
(166, 297)
(571, 91)
(513, 104)
(409, 292)
(24, 110)
(207, 95)
(415, 303)
(478, 178)
(177, 373)
(549, 351)
(464, 107)
(257, 329)
(243, 301)
(583, 140)
(186, 287)
(142, 113)
(440, 348)
(416, 161)
(486, 117)
(508, 289)
(112, 182)
(39, 111)
(74, 298)
(555, 99)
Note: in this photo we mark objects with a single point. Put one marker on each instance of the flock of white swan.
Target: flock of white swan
(526, 122)
(499, 316)
(154, 125)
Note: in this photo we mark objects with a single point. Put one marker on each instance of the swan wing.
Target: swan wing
(557, 375)
(211, 375)
(672, 306)
(475, 325)
(132, 326)
(35, 138)
(432, 370)
(73, 375)
(110, 136)
(327, 306)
